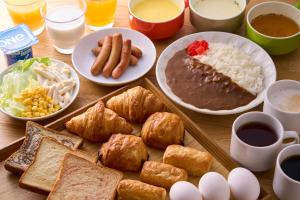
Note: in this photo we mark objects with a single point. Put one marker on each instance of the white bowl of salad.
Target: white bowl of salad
(37, 88)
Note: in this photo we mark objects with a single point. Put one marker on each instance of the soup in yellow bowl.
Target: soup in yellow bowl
(156, 10)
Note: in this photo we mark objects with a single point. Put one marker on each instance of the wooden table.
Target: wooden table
(218, 127)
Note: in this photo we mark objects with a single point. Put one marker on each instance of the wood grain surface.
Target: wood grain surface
(218, 127)
(194, 137)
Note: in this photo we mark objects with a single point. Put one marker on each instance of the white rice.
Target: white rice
(236, 64)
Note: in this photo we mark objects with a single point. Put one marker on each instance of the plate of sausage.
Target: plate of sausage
(114, 56)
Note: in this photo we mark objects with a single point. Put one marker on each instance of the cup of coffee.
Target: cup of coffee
(282, 101)
(286, 182)
(256, 140)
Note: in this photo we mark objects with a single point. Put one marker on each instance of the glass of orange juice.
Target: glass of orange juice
(100, 13)
(27, 12)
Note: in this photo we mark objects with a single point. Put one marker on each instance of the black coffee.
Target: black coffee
(257, 134)
(291, 167)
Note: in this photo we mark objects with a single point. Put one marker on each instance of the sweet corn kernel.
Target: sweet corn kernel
(27, 101)
(37, 102)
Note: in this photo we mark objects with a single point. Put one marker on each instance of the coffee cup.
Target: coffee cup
(256, 140)
(285, 186)
(282, 101)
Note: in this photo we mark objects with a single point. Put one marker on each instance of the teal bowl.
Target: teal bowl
(274, 45)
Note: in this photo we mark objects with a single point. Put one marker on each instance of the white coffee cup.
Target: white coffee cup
(285, 187)
(259, 158)
(276, 94)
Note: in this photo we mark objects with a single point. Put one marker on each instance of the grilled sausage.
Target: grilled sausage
(134, 50)
(114, 56)
(133, 60)
(124, 62)
(103, 56)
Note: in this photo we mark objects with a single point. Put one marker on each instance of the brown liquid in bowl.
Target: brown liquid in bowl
(275, 25)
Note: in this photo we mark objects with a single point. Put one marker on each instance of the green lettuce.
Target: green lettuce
(17, 79)
(24, 65)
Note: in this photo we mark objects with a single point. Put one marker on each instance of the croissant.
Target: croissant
(98, 123)
(123, 152)
(135, 104)
(162, 129)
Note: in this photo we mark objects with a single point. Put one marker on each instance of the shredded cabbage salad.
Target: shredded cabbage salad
(20, 77)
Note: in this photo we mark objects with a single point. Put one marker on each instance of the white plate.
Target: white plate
(253, 50)
(83, 58)
(73, 95)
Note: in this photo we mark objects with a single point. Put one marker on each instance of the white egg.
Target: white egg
(243, 184)
(183, 190)
(213, 186)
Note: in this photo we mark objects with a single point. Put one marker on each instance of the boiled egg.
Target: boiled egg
(243, 184)
(213, 186)
(183, 190)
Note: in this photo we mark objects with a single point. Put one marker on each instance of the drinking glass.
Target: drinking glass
(100, 13)
(27, 12)
(64, 23)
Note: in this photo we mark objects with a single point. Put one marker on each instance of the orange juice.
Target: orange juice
(100, 13)
(27, 12)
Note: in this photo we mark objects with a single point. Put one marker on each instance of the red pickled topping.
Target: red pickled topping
(204, 44)
(197, 47)
(200, 50)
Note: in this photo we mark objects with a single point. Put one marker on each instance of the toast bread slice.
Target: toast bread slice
(41, 175)
(86, 155)
(19, 161)
(81, 179)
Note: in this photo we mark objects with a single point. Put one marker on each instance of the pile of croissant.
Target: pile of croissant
(111, 123)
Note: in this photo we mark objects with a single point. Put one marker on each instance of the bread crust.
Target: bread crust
(19, 161)
(123, 152)
(137, 190)
(98, 123)
(33, 186)
(162, 129)
(195, 162)
(135, 104)
(73, 165)
(85, 155)
(161, 174)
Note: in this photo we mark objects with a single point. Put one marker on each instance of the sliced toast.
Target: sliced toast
(86, 155)
(40, 176)
(19, 161)
(80, 179)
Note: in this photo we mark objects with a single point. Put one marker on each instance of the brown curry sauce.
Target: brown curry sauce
(202, 86)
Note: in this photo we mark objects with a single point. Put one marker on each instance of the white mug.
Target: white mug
(253, 157)
(285, 187)
(277, 92)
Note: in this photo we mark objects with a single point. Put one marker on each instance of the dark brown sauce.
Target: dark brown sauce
(202, 86)
(257, 134)
(291, 167)
(275, 25)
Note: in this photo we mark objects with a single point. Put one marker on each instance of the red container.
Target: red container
(157, 30)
